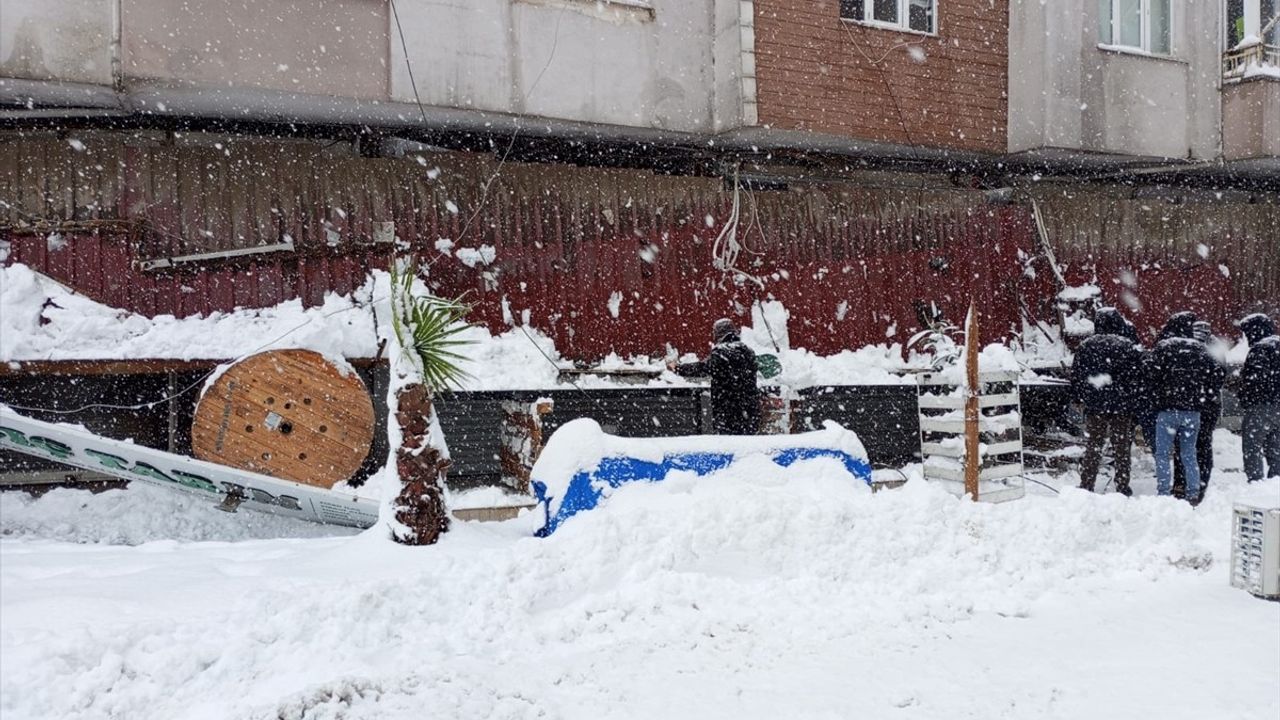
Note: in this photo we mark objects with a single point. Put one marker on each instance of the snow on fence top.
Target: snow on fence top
(43, 320)
(581, 463)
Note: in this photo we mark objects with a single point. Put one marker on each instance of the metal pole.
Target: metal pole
(972, 462)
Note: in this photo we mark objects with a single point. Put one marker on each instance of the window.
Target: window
(1248, 19)
(1145, 25)
(918, 15)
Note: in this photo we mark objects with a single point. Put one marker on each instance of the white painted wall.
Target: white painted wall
(1251, 119)
(1066, 92)
(581, 60)
(668, 64)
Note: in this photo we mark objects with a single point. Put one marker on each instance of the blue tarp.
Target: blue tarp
(585, 489)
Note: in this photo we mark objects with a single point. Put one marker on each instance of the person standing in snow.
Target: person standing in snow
(1104, 378)
(731, 365)
(1183, 380)
(1260, 397)
(1203, 333)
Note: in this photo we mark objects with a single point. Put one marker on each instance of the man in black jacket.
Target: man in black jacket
(1104, 378)
(1182, 379)
(1209, 416)
(1260, 397)
(735, 399)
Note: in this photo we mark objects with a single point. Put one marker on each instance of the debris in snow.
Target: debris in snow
(139, 514)
(842, 309)
(917, 53)
(649, 253)
(55, 242)
(1202, 250)
(4, 250)
(451, 206)
(433, 173)
(471, 257)
(444, 245)
(1226, 272)
(615, 303)
(75, 144)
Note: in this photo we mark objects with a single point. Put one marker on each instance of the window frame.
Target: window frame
(867, 17)
(1144, 45)
(1253, 18)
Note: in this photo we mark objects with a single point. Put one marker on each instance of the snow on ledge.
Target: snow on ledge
(42, 320)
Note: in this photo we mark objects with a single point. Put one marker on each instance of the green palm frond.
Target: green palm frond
(429, 329)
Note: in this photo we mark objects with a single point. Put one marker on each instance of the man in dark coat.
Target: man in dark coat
(1260, 397)
(1104, 378)
(1183, 379)
(735, 399)
(1209, 416)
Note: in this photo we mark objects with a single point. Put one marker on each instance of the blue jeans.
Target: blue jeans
(1184, 426)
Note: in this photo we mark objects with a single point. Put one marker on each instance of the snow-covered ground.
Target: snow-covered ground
(778, 593)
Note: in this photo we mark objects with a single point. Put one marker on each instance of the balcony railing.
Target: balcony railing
(1235, 63)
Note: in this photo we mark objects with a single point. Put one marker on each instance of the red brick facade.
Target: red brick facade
(817, 72)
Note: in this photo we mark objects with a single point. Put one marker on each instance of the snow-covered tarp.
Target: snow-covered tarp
(582, 464)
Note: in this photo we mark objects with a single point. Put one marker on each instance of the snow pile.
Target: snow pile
(869, 365)
(582, 464)
(139, 514)
(1256, 70)
(770, 593)
(42, 320)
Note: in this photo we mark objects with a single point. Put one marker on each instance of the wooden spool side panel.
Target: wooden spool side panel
(289, 414)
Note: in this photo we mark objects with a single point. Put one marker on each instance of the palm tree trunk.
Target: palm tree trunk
(420, 507)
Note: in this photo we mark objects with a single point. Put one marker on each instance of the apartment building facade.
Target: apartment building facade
(869, 140)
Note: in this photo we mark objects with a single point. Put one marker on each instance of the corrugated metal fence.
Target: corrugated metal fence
(604, 260)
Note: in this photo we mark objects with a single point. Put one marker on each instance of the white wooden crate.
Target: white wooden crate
(940, 405)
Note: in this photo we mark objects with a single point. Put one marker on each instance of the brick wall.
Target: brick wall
(816, 72)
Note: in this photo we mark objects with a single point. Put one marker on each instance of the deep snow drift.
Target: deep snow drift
(770, 593)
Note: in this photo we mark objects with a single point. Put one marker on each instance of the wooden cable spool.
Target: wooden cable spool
(289, 414)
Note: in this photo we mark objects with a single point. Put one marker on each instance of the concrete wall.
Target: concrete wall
(1067, 92)
(1251, 119)
(324, 47)
(734, 64)
(610, 62)
(669, 64)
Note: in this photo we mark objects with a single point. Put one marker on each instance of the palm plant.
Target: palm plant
(429, 329)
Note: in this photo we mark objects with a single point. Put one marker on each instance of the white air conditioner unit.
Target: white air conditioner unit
(1255, 550)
